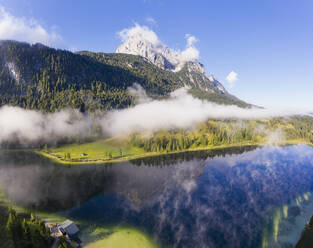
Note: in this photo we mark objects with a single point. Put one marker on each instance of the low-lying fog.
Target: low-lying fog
(180, 110)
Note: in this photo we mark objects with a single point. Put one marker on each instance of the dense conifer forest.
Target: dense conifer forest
(47, 79)
(22, 230)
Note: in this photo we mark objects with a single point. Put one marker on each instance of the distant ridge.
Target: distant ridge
(168, 59)
(47, 79)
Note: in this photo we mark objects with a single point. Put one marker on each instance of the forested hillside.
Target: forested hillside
(43, 78)
(201, 87)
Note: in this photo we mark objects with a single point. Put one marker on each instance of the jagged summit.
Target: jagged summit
(155, 52)
(168, 59)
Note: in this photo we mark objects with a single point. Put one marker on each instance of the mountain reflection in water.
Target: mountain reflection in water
(216, 198)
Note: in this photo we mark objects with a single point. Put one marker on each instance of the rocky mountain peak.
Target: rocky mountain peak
(156, 53)
(168, 59)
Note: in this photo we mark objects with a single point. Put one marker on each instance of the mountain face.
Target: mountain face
(159, 55)
(47, 79)
(167, 59)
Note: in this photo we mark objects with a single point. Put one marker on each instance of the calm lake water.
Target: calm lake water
(242, 197)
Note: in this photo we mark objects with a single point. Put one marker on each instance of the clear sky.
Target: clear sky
(268, 43)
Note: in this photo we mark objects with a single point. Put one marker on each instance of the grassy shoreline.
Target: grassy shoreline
(81, 161)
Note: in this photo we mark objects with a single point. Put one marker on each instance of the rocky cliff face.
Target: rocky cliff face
(168, 59)
(157, 54)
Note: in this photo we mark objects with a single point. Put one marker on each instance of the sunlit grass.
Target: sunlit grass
(119, 237)
(104, 149)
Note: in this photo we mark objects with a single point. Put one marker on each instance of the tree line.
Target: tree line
(225, 132)
(26, 231)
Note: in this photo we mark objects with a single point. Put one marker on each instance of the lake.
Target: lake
(238, 197)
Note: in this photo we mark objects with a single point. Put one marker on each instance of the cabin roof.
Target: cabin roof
(69, 227)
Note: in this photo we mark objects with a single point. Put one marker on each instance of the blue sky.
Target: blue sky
(267, 43)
